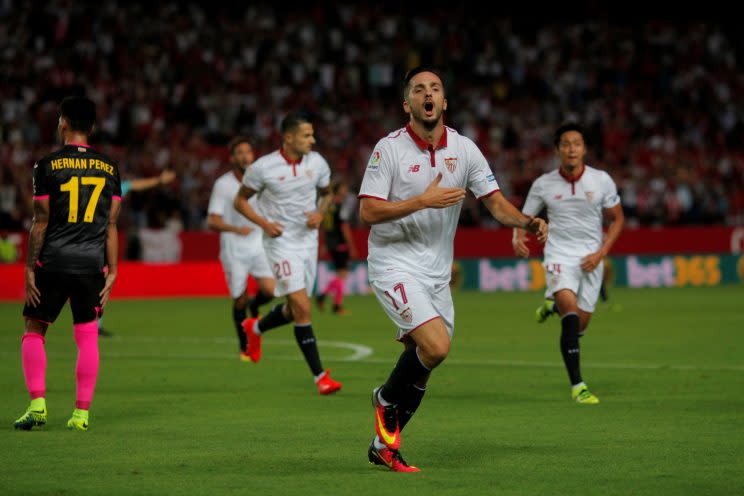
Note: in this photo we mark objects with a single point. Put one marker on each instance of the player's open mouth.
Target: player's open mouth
(429, 108)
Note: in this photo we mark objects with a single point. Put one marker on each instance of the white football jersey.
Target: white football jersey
(402, 166)
(233, 245)
(574, 211)
(288, 190)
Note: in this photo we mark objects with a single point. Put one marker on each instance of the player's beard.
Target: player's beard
(428, 123)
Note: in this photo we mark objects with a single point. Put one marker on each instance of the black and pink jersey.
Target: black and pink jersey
(81, 185)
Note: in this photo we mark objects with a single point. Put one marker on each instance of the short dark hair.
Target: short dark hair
(237, 140)
(418, 70)
(292, 121)
(566, 127)
(80, 113)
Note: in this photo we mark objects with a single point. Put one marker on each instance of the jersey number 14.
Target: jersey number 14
(73, 186)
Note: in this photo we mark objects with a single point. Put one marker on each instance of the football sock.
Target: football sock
(570, 346)
(256, 302)
(409, 404)
(338, 290)
(306, 341)
(274, 318)
(238, 318)
(33, 357)
(409, 370)
(86, 370)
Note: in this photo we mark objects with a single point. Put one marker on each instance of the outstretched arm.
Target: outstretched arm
(143, 183)
(503, 211)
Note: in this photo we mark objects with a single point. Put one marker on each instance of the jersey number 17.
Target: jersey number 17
(73, 186)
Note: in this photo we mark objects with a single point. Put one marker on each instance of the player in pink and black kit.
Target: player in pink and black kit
(77, 194)
(340, 244)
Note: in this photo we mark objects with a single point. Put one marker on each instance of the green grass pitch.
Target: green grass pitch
(176, 412)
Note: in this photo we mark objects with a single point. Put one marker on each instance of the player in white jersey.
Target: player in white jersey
(241, 250)
(577, 198)
(411, 195)
(289, 182)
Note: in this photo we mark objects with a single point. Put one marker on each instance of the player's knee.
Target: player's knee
(36, 327)
(300, 310)
(434, 353)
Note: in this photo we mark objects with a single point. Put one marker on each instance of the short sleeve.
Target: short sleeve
(535, 202)
(41, 190)
(324, 172)
(217, 200)
(378, 175)
(610, 198)
(481, 180)
(253, 177)
(126, 185)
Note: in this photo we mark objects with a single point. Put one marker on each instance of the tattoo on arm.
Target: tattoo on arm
(38, 231)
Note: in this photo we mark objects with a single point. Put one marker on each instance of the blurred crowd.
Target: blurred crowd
(662, 101)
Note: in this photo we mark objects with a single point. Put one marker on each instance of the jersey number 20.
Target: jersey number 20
(72, 186)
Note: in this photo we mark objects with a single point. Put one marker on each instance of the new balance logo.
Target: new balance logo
(414, 168)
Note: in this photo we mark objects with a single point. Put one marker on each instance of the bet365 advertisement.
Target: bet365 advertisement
(529, 275)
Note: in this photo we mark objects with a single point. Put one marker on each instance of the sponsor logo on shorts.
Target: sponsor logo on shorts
(407, 315)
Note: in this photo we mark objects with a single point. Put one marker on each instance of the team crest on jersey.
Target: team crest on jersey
(451, 163)
(589, 195)
(374, 161)
(407, 315)
(309, 173)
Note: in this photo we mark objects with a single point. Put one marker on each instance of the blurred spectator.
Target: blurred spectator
(174, 81)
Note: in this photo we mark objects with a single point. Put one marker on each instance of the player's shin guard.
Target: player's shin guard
(34, 364)
(570, 346)
(238, 317)
(409, 370)
(306, 341)
(274, 318)
(86, 370)
(409, 404)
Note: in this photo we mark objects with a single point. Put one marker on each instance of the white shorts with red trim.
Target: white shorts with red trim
(237, 271)
(411, 302)
(585, 285)
(293, 268)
